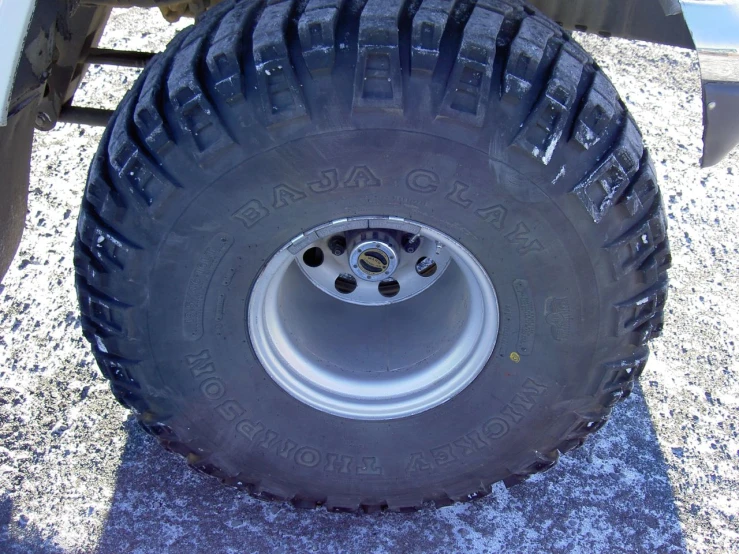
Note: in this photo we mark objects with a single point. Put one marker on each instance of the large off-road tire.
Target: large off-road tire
(267, 129)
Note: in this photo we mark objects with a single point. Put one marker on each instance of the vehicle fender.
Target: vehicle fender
(18, 99)
(15, 19)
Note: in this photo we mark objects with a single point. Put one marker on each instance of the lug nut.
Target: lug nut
(337, 245)
(411, 243)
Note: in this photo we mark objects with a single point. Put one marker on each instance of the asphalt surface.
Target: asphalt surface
(77, 475)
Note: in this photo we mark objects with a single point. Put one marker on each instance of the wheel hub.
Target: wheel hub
(370, 267)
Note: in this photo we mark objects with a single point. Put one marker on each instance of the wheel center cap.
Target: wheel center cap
(373, 260)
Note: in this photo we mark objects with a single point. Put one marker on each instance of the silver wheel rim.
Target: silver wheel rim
(375, 357)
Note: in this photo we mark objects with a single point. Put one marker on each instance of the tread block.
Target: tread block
(500, 6)
(657, 264)
(139, 173)
(588, 423)
(107, 247)
(638, 245)
(528, 53)
(546, 124)
(428, 27)
(224, 55)
(119, 371)
(317, 32)
(129, 399)
(195, 114)
(650, 330)
(568, 445)
(109, 283)
(343, 504)
(146, 116)
(378, 80)
(106, 200)
(464, 491)
(513, 11)
(543, 461)
(107, 315)
(148, 119)
(405, 503)
(116, 206)
(278, 84)
(642, 190)
(643, 314)
(468, 89)
(276, 493)
(601, 107)
(605, 186)
(619, 377)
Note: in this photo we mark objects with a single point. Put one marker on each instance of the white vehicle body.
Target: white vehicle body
(15, 17)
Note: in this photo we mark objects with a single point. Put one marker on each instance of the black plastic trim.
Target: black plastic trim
(721, 128)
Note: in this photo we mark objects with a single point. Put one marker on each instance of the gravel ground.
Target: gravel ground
(76, 475)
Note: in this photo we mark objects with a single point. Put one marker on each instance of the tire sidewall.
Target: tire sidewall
(206, 265)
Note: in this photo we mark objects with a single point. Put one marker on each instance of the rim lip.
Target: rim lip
(370, 399)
